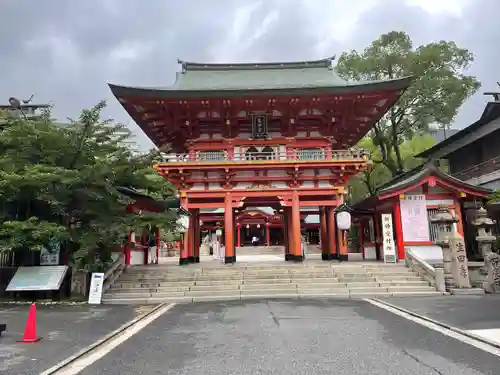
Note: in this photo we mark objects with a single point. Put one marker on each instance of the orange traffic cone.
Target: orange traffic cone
(30, 336)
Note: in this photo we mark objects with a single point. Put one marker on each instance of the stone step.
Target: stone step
(306, 295)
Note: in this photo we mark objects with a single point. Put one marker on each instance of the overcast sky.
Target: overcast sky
(64, 52)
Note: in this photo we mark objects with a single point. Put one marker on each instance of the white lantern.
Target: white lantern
(344, 220)
(182, 223)
(258, 225)
(218, 232)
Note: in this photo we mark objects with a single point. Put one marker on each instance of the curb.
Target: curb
(101, 341)
(439, 323)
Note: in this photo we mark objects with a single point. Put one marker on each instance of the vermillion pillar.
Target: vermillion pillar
(398, 228)
(184, 250)
(296, 250)
(268, 235)
(286, 232)
(331, 230)
(197, 235)
(323, 233)
(229, 230)
(238, 235)
(192, 237)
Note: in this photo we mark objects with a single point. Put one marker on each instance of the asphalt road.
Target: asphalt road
(65, 330)
(291, 337)
(464, 312)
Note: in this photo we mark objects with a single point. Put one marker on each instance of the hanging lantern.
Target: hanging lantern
(248, 226)
(258, 225)
(343, 220)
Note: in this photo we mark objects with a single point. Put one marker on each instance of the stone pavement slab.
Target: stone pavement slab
(468, 312)
(283, 337)
(66, 330)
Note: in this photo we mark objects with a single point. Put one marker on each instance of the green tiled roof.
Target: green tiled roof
(233, 80)
(308, 74)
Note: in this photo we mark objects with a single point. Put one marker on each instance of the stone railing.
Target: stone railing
(435, 276)
(114, 272)
(297, 155)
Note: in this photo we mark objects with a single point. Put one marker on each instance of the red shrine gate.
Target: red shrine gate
(275, 135)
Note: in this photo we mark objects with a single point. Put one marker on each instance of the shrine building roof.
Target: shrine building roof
(225, 80)
(425, 173)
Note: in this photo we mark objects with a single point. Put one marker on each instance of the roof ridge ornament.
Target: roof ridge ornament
(495, 94)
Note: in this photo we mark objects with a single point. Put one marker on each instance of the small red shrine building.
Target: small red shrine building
(412, 199)
(276, 135)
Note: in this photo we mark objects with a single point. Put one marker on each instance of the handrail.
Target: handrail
(298, 155)
(468, 172)
(435, 276)
(113, 272)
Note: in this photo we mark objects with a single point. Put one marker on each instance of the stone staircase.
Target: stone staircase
(212, 281)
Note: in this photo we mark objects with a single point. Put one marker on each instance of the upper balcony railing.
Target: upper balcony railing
(478, 170)
(297, 155)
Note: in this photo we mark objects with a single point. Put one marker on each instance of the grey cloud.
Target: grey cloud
(75, 74)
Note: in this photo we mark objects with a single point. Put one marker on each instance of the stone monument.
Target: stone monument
(445, 221)
(485, 241)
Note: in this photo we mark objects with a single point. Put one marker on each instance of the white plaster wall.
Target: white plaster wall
(214, 186)
(245, 174)
(301, 134)
(279, 185)
(324, 172)
(244, 135)
(435, 202)
(197, 175)
(198, 186)
(242, 185)
(308, 173)
(276, 173)
(324, 184)
(307, 185)
(213, 174)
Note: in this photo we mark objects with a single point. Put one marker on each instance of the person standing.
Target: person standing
(152, 258)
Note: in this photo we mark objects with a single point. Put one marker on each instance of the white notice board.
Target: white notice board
(96, 285)
(37, 278)
(414, 218)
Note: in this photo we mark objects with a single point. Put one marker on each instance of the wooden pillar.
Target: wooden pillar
(192, 236)
(197, 236)
(343, 253)
(331, 233)
(229, 230)
(362, 236)
(323, 233)
(184, 250)
(128, 248)
(286, 233)
(398, 226)
(238, 235)
(268, 235)
(377, 220)
(296, 251)
(157, 235)
(458, 214)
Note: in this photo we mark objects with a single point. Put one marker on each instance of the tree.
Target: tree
(60, 184)
(366, 183)
(439, 89)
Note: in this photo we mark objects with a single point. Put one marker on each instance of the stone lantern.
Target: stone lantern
(445, 221)
(483, 226)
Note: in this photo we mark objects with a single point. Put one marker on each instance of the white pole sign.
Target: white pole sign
(96, 285)
(414, 218)
(388, 245)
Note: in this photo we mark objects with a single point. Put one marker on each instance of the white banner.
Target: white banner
(388, 245)
(414, 218)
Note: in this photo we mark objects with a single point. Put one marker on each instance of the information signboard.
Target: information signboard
(96, 285)
(37, 278)
(414, 218)
(388, 245)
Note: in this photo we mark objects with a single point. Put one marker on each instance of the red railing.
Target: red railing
(298, 155)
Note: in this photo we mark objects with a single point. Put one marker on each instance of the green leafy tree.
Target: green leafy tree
(440, 88)
(60, 183)
(366, 183)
